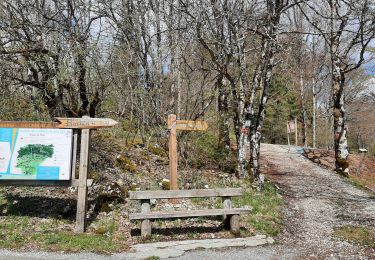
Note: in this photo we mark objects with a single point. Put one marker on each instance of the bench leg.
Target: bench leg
(227, 204)
(146, 228)
(146, 223)
(235, 224)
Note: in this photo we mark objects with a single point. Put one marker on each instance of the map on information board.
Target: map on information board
(35, 154)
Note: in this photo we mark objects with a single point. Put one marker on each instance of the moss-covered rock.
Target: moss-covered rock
(125, 164)
(157, 150)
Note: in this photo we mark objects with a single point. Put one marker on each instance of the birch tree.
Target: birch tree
(262, 79)
(347, 27)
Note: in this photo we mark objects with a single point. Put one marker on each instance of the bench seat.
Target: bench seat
(231, 216)
(179, 194)
(188, 213)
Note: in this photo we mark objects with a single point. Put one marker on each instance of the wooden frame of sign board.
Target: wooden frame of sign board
(84, 125)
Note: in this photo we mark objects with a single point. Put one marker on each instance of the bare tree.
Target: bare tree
(347, 27)
(47, 43)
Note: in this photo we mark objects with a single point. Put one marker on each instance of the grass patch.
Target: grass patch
(355, 234)
(265, 217)
(152, 258)
(363, 182)
(20, 232)
(77, 242)
(208, 203)
(25, 232)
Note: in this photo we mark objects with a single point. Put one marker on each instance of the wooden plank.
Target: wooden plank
(74, 157)
(64, 183)
(146, 223)
(28, 124)
(296, 131)
(198, 193)
(189, 125)
(67, 183)
(172, 151)
(61, 123)
(82, 182)
(85, 122)
(189, 213)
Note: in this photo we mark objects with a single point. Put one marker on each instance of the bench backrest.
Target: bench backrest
(176, 194)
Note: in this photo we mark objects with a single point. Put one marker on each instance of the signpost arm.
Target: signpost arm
(82, 186)
(172, 151)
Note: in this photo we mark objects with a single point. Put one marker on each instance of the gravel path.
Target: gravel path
(317, 201)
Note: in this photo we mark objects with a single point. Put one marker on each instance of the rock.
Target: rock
(165, 184)
(325, 164)
(317, 154)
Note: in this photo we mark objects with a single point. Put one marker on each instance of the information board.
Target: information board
(35, 154)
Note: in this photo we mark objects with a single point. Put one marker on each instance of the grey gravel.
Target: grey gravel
(317, 201)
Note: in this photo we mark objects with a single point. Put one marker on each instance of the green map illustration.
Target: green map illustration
(32, 155)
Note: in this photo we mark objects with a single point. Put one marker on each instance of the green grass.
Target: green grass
(18, 232)
(152, 258)
(355, 234)
(265, 205)
(29, 232)
(208, 202)
(77, 242)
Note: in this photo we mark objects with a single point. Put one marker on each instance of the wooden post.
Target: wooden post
(146, 223)
(295, 130)
(235, 225)
(287, 131)
(82, 187)
(74, 157)
(227, 204)
(172, 151)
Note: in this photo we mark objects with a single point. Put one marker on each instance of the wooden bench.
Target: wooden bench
(230, 215)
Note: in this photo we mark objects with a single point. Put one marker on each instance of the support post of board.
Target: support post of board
(82, 187)
(74, 156)
(172, 151)
(295, 127)
(287, 132)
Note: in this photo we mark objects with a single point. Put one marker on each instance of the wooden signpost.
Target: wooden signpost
(62, 123)
(173, 126)
(84, 125)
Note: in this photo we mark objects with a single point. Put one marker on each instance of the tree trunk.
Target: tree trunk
(339, 124)
(269, 49)
(224, 140)
(303, 109)
(314, 116)
(246, 122)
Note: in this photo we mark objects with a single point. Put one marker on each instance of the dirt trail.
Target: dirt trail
(317, 201)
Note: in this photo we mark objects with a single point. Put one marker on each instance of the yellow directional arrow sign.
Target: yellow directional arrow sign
(189, 125)
(85, 122)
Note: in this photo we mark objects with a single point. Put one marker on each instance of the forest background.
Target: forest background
(245, 67)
